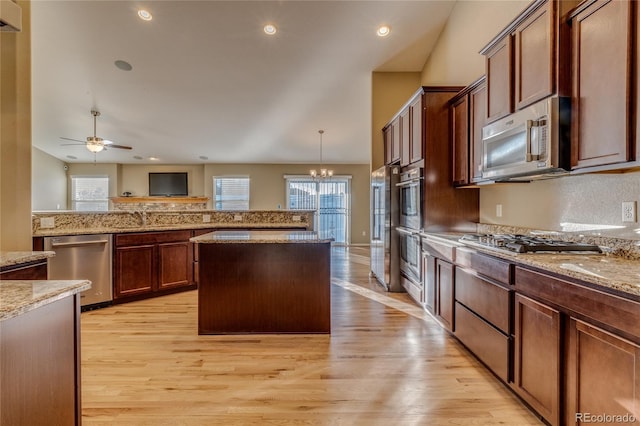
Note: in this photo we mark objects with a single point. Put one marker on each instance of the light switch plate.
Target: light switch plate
(206, 218)
(296, 218)
(237, 218)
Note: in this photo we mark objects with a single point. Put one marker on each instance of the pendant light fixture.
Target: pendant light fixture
(324, 173)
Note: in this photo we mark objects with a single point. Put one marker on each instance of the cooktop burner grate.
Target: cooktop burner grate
(517, 243)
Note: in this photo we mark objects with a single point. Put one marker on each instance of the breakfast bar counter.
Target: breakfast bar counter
(263, 282)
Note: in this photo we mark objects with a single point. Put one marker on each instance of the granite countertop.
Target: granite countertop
(170, 227)
(225, 237)
(10, 258)
(608, 271)
(20, 296)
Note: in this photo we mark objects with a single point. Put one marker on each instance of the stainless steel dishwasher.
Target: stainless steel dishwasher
(83, 257)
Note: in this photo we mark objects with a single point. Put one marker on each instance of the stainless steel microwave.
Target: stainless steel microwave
(531, 143)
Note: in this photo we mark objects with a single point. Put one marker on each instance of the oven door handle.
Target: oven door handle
(407, 232)
(414, 181)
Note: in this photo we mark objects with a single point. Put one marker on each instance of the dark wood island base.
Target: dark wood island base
(265, 282)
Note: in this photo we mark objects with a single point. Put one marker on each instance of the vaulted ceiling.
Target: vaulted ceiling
(207, 85)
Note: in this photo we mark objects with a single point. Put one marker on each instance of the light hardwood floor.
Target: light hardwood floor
(386, 362)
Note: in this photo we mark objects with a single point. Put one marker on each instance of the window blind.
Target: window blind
(231, 193)
(90, 193)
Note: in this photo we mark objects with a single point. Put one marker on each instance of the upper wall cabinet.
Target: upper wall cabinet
(467, 119)
(603, 71)
(403, 135)
(522, 63)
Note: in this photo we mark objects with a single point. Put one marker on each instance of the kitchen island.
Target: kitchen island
(40, 351)
(263, 282)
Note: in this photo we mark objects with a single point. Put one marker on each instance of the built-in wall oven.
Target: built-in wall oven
(410, 186)
(410, 255)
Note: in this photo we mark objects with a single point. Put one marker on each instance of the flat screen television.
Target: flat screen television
(168, 184)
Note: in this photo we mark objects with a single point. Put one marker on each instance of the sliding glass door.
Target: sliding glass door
(329, 198)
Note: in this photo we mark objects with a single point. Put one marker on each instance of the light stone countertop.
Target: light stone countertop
(226, 237)
(20, 296)
(610, 272)
(10, 258)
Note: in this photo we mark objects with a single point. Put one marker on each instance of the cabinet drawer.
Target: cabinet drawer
(439, 249)
(491, 301)
(151, 238)
(487, 343)
(491, 267)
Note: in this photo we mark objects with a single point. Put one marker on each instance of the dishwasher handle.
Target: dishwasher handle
(79, 243)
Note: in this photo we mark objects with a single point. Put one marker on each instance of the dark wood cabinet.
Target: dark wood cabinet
(388, 149)
(152, 263)
(477, 120)
(445, 294)
(603, 374)
(499, 70)
(416, 128)
(537, 358)
(405, 138)
(460, 140)
(396, 154)
(603, 79)
(468, 110)
(36, 270)
(534, 56)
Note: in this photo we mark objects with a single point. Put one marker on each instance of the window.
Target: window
(231, 193)
(90, 193)
(329, 198)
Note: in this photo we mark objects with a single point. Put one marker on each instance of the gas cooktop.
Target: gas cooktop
(516, 243)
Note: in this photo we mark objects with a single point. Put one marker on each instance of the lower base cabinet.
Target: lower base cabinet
(150, 263)
(537, 340)
(36, 270)
(603, 376)
(445, 309)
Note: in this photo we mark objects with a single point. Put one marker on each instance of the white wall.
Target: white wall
(49, 182)
(593, 200)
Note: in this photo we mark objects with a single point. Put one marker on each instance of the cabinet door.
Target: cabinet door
(499, 80)
(176, 265)
(534, 57)
(135, 271)
(415, 114)
(387, 136)
(537, 356)
(477, 119)
(429, 277)
(601, 70)
(444, 293)
(405, 138)
(603, 373)
(460, 141)
(395, 140)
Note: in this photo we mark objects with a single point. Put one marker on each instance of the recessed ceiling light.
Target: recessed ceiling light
(145, 15)
(137, 157)
(270, 29)
(203, 157)
(123, 65)
(72, 157)
(383, 31)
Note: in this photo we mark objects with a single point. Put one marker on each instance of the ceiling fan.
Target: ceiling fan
(94, 143)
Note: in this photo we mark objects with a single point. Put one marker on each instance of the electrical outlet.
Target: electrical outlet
(498, 210)
(237, 218)
(206, 218)
(629, 211)
(364, 233)
(47, 222)
(296, 218)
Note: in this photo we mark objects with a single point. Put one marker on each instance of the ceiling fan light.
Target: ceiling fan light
(95, 147)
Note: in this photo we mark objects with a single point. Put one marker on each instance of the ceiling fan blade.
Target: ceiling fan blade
(75, 140)
(112, 145)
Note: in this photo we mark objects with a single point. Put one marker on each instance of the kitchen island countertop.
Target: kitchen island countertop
(20, 296)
